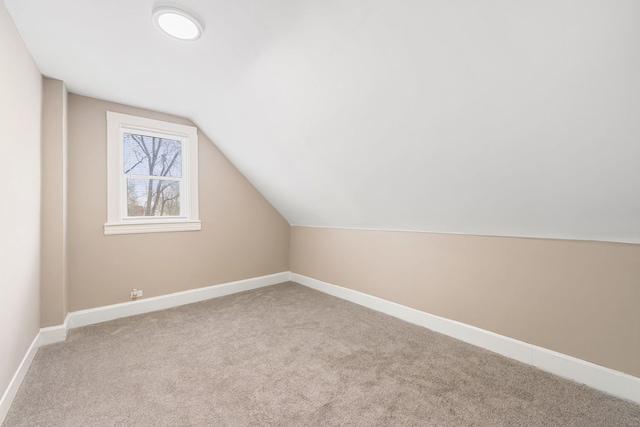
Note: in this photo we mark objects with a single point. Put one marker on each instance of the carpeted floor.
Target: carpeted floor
(286, 355)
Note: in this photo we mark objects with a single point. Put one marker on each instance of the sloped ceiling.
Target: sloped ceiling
(504, 117)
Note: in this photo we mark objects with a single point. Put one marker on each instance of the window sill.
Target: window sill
(151, 227)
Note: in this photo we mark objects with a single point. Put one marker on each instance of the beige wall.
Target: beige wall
(20, 103)
(575, 297)
(53, 267)
(242, 235)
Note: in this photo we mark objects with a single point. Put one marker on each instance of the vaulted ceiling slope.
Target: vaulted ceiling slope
(482, 117)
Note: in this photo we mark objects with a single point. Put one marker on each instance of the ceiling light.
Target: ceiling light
(177, 23)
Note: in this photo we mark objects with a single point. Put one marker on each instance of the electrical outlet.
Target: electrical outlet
(135, 294)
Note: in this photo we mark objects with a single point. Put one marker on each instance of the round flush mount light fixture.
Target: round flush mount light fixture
(177, 23)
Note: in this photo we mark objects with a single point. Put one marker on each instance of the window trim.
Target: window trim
(117, 221)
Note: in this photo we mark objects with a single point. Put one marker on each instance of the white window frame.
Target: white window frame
(118, 222)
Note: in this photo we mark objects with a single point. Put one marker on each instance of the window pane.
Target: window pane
(153, 197)
(151, 155)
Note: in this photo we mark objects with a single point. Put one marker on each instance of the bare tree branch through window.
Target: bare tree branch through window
(149, 163)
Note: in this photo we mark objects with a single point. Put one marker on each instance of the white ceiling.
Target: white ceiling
(503, 117)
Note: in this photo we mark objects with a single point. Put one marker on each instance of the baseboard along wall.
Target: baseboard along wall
(604, 379)
(598, 377)
(80, 318)
(147, 305)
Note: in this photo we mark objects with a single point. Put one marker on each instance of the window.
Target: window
(152, 176)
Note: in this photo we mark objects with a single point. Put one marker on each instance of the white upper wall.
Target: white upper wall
(20, 104)
(492, 117)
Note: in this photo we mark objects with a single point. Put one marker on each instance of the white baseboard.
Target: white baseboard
(76, 319)
(45, 336)
(126, 309)
(604, 379)
(16, 381)
(53, 334)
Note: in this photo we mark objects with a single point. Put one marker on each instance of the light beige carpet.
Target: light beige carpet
(290, 356)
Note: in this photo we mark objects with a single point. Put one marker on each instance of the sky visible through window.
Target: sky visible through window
(150, 163)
